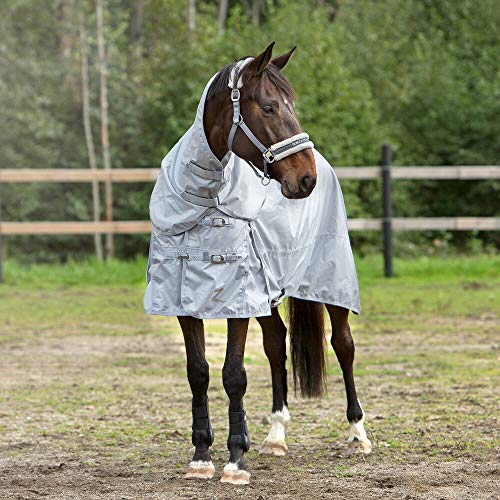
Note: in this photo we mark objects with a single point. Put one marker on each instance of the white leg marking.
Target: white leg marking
(279, 421)
(358, 440)
(231, 467)
(201, 464)
(275, 444)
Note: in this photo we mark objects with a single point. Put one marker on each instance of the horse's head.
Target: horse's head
(267, 107)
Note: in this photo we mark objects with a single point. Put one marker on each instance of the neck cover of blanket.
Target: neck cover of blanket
(225, 246)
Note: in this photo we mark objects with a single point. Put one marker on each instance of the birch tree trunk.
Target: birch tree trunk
(222, 15)
(191, 15)
(88, 136)
(104, 124)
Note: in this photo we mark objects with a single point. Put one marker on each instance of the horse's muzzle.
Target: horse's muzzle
(303, 188)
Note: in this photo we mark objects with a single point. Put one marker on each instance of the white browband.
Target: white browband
(275, 152)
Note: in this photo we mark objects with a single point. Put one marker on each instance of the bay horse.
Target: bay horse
(259, 92)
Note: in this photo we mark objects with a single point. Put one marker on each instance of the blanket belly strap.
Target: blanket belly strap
(212, 256)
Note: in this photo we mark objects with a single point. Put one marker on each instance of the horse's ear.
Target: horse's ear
(281, 61)
(257, 66)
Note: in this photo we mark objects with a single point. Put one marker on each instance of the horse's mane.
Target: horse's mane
(271, 72)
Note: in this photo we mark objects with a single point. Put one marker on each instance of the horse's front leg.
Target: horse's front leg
(201, 466)
(234, 379)
(343, 345)
(274, 336)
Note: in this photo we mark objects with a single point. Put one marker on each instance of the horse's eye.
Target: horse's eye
(268, 109)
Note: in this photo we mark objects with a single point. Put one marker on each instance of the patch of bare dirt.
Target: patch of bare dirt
(107, 417)
(270, 479)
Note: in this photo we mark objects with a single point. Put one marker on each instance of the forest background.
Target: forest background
(421, 76)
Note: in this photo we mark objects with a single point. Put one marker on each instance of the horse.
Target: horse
(246, 125)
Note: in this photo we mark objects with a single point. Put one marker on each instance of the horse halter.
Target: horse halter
(273, 153)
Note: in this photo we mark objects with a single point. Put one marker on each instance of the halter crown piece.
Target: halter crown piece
(273, 153)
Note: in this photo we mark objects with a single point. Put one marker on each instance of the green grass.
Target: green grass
(121, 273)
(75, 274)
(83, 372)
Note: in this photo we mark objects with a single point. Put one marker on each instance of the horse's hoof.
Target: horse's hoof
(357, 446)
(273, 448)
(235, 476)
(200, 470)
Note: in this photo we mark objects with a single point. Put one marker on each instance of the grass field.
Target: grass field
(94, 400)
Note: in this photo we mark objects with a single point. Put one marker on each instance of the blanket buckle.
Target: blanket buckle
(217, 259)
(218, 222)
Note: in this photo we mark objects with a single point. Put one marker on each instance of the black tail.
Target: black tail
(307, 346)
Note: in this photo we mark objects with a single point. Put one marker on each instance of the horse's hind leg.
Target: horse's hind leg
(201, 466)
(274, 336)
(234, 379)
(343, 345)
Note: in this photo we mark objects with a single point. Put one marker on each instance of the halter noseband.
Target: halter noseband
(273, 153)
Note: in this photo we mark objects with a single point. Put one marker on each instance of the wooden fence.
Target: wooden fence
(386, 172)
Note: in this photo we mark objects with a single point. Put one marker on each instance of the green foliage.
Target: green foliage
(419, 75)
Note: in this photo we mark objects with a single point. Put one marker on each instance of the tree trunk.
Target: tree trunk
(256, 7)
(191, 15)
(104, 124)
(135, 31)
(66, 43)
(88, 136)
(222, 15)
(136, 21)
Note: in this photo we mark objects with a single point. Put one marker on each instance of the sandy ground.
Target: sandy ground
(99, 407)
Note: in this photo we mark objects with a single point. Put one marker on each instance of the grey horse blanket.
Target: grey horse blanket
(225, 246)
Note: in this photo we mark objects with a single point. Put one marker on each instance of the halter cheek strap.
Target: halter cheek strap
(276, 151)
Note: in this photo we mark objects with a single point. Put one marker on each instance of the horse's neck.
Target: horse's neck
(215, 129)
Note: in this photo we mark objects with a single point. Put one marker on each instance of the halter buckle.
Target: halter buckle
(268, 156)
(235, 95)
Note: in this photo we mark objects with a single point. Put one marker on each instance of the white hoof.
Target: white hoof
(233, 475)
(200, 470)
(273, 448)
(357, 446)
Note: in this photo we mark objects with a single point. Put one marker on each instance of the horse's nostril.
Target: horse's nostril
(306, 181)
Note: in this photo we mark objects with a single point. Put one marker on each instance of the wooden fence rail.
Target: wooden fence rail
(149, 174)
(141, 227)
(386, 172)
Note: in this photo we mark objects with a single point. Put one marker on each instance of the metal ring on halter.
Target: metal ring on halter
(266, 178)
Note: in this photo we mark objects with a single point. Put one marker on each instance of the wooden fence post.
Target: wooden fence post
(387, 208)
(1, 246)
(106, 155)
